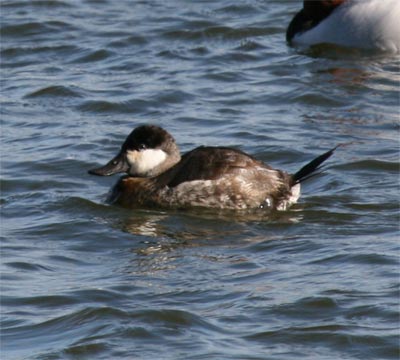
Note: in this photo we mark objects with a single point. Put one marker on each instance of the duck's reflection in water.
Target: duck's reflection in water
(166, 231)
(165, 241)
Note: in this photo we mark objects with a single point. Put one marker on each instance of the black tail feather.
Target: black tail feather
(307, 171)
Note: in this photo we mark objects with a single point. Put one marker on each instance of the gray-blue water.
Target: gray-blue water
(85, 280)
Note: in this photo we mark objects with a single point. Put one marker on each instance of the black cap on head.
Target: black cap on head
(145, 137)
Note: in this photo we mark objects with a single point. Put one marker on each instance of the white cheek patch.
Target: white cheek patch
(143, 162)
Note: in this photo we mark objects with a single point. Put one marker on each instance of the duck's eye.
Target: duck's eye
(141, 147)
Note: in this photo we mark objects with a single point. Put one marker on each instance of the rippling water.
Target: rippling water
(85, 280)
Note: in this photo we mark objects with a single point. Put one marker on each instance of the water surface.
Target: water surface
(85, 280)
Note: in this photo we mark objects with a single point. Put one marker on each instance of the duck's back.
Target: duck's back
(366, 24)
(226, 178)
(210, 163)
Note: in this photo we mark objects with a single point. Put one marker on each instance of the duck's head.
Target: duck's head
(148, 151)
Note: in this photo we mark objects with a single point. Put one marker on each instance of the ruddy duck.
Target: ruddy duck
(208, 177)
(364, 24)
